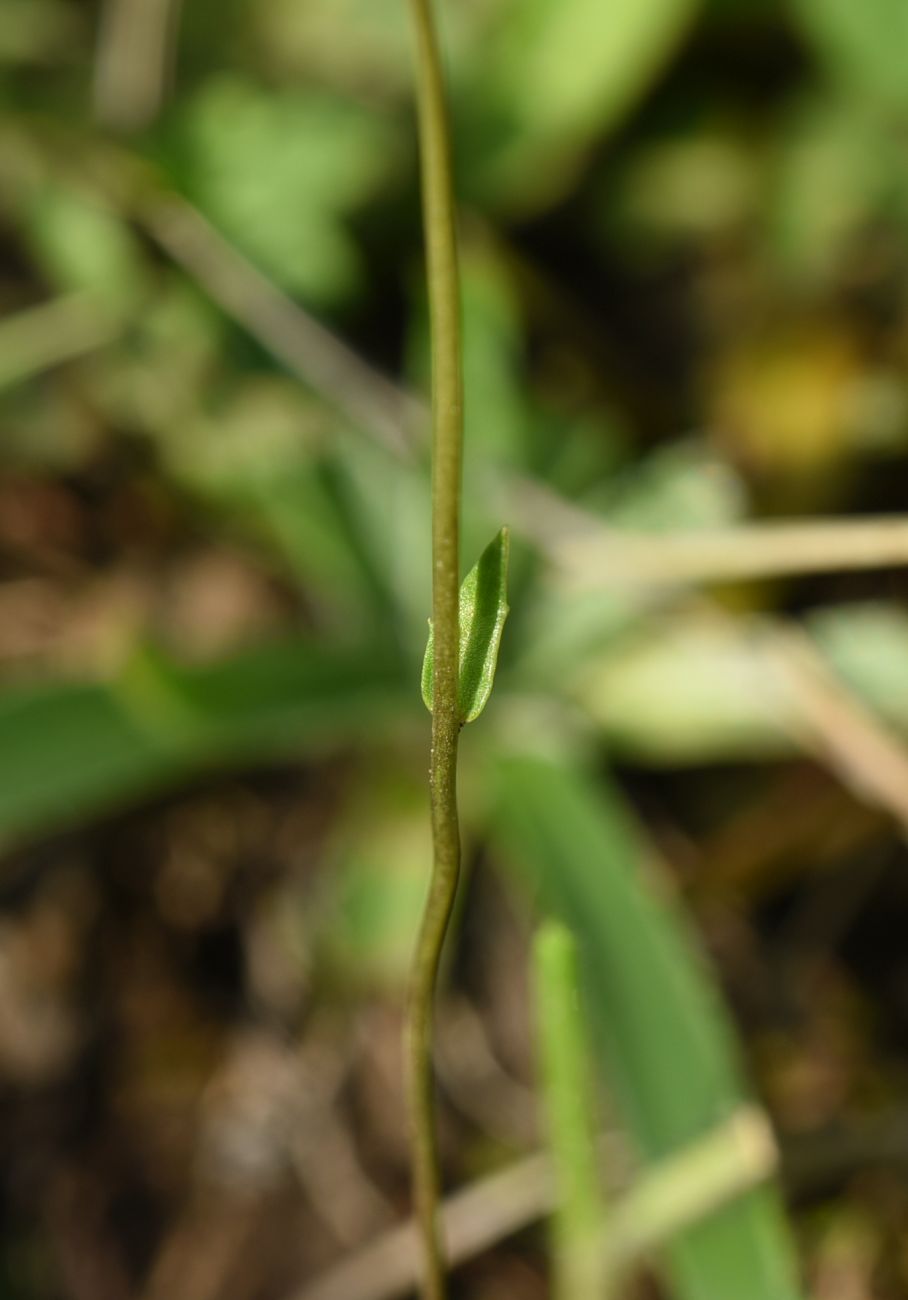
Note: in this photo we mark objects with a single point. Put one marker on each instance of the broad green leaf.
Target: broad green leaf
(682, 485)
(71, 750)
(279, 173)
(863, 45)
(483, 610)
(684, 687)
(83, 246)
(555, 74)
(667, 1046)
(834, 169)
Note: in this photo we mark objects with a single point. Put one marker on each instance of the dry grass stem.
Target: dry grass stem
(737, 1156)
(314, 354)
(834, 725)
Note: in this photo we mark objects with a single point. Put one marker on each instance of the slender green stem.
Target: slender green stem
(579, 1216)
(447, 437)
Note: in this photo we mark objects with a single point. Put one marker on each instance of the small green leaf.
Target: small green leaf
(483, 610)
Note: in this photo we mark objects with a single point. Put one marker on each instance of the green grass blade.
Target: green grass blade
(579, 1217)
(668, 1049)
(71, 750)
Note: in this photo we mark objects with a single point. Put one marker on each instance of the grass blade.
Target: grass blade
(71, 750)
(667, 1046)
(579, 1216)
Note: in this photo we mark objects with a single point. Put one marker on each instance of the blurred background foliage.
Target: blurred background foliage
(686, 307)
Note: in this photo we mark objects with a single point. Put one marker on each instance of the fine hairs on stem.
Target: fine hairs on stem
(447, 437)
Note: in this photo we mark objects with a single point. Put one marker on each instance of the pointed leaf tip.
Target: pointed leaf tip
(483, 610)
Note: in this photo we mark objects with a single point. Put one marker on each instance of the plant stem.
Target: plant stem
(447, 438)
